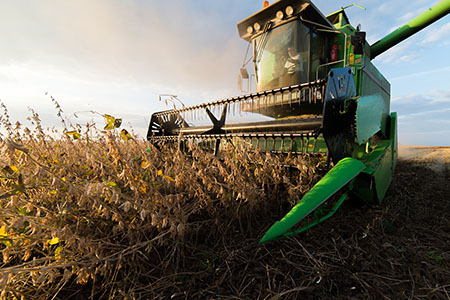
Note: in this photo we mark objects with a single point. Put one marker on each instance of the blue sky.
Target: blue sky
(115, 57)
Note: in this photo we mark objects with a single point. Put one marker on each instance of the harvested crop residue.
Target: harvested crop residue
(435, 158)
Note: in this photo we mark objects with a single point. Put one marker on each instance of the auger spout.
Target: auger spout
(418, 23)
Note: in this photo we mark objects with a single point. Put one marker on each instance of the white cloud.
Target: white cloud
(115, 56)
(421, 74)
(116, 41)
(417, 8)
(430, 113)
(440, 34)
(423, 118)
(428, 102)
(400, 53)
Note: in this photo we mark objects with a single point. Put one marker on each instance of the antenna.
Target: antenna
(354, 4)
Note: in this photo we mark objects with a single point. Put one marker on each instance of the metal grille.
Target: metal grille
(311, 92)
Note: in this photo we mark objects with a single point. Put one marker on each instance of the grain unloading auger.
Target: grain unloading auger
(316, 91)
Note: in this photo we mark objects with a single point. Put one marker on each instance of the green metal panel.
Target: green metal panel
(394, 138)
(294, 144)
(319, 220)
(429, 16)
(341, 174)
(287, 145)
(383, 173)
(374, 82)
(369, 116)
(371, 82)
(373, 183)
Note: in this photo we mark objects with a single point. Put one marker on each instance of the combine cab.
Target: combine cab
(316, 91)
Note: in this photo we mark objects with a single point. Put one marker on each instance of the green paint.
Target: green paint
(370, 82)
(394, 138)
(318, 221)
(380, 164)
(369, 116)
(383, 173)
(294, 144)
(377, 167)
(341, 174)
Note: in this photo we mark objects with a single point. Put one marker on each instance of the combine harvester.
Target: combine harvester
(317, 90)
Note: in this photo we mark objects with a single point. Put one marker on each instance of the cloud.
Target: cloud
(433, 100)
(415, 9)
(439, 34)
(116, 56)
(421, 74)
(143, 42)
(423, 118)
(436, 115)
(392, 15)
(400, 53)
(386, 16)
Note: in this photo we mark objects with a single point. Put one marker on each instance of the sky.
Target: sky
(116, 56)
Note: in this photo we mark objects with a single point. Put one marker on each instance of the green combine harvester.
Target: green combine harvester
(317, 90)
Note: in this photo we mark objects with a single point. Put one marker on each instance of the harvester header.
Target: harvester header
(317, 93)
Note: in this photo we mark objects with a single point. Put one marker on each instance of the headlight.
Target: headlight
(279, 15)
(249, 29)
(257, 26)
(289, 10)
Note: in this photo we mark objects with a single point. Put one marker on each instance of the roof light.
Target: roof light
(249, 29)
(265, 4)
(289, 10)
(256, 26)
(280, 15)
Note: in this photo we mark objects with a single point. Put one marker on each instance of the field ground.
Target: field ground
(398, 250)
(197, 240)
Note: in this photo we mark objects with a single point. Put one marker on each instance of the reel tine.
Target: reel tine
(258, 104)
(314, 95)
(310, 95)
(324, 90)
(265, 100)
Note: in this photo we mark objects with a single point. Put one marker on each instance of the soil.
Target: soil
(399, 249)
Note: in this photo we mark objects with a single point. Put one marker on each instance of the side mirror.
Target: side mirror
(243, 75)
(358, 41)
